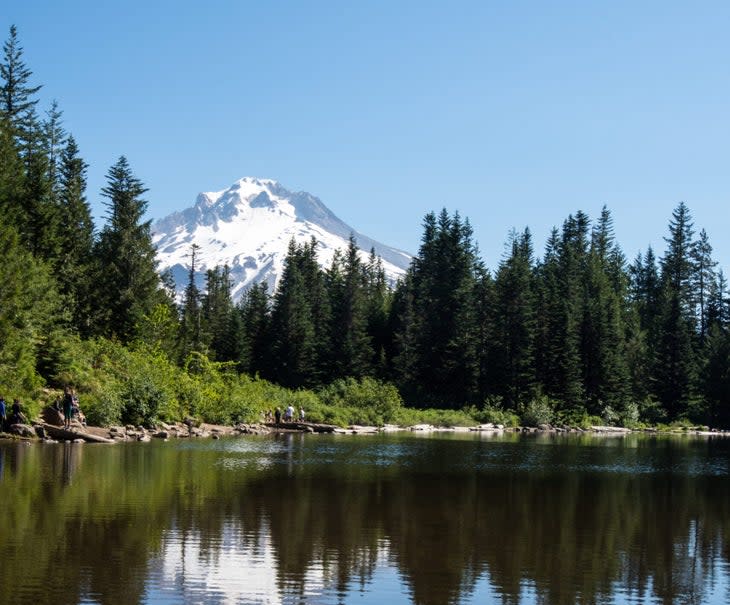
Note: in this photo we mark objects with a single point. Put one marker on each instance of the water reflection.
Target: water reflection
(386, 519)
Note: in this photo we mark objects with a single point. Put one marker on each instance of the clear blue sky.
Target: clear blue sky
(513, 113)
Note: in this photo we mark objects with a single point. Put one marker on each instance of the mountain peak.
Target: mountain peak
(248, 226)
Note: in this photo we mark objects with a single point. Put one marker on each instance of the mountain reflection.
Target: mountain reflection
(322, 520)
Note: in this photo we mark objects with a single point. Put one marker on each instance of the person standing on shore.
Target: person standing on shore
(68, 402)
(3, 413)
(17, 417)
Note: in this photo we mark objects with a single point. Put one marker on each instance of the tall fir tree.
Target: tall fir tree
(603, 334)
(17, 95)
(255, 351)
(191, 330)
(675, 373)
(294, 346)
(76, 234)
(379, 300)
(351, 344)
(514, 321)
(127, 287)
(445, 365)
(703, 277)
(219, 316)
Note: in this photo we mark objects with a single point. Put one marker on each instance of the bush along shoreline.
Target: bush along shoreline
(137, 393)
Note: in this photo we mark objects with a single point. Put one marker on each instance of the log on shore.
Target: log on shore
(70, 435)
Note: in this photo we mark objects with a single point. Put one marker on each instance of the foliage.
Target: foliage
(377, 402)
(538, 411)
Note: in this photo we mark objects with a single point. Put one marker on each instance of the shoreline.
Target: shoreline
(45, 432)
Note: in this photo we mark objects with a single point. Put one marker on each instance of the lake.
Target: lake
(390, 518)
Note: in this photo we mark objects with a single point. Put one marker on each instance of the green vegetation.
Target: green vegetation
(577, 336)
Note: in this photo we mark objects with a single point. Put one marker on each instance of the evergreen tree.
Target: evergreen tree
(562, 312)
(403, 326)
(191, 337)
(127, 284)
(55, 140)
(513, 337)
(255, 352)
(12, 177)
(351, 348)
(444, 275)
(219, 317)
(378, 304)
(605, 373)
(16, 94)
(676, 370)
(716, 377)
(294, 320)
(703, 278)
(550, 303)
(76, 234)
(28, 311)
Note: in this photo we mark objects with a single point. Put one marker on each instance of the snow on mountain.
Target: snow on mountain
(248, 226)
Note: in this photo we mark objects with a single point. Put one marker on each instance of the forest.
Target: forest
(575, 334)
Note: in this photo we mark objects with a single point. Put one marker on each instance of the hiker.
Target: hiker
(17, 417)
(301, 414)
(277, 415)
(76, 409)
(3, 413)
(68, 403)
(289, 413)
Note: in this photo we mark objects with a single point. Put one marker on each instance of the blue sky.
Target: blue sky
(513, 113)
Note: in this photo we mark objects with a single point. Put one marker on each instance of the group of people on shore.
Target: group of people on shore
(16, 415)
(288, 415)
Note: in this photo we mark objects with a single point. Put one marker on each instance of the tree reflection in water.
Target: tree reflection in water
(319, 519)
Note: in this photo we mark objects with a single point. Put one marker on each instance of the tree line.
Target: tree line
(574, 332)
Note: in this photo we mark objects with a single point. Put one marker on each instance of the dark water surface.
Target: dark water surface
(383, 519)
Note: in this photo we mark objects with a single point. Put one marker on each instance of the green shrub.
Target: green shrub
(494, 412)
(141, 401)
(651, 411)
(371, 401)
(538, 411)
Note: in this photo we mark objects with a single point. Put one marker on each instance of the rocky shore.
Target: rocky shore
(49, 429)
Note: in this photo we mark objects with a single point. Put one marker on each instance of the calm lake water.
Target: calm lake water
(326, 519)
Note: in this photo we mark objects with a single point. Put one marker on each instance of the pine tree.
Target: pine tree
(642, 341)
(605, 373)
(703, 277)
(716, 377)
(76, 233)
(564, 271)
(127, 284)
(513, 336)
(379, 299)
(191, 338)
(443, 277)
(293, 320)
(28, 311)
(41, 229)
(255, 351)
(676, 370)
(219, 317)
(16, 94)
(12, 177)
(55, 140)
(351, 347)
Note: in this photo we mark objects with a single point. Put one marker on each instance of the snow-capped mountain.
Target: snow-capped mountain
(248, 226)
